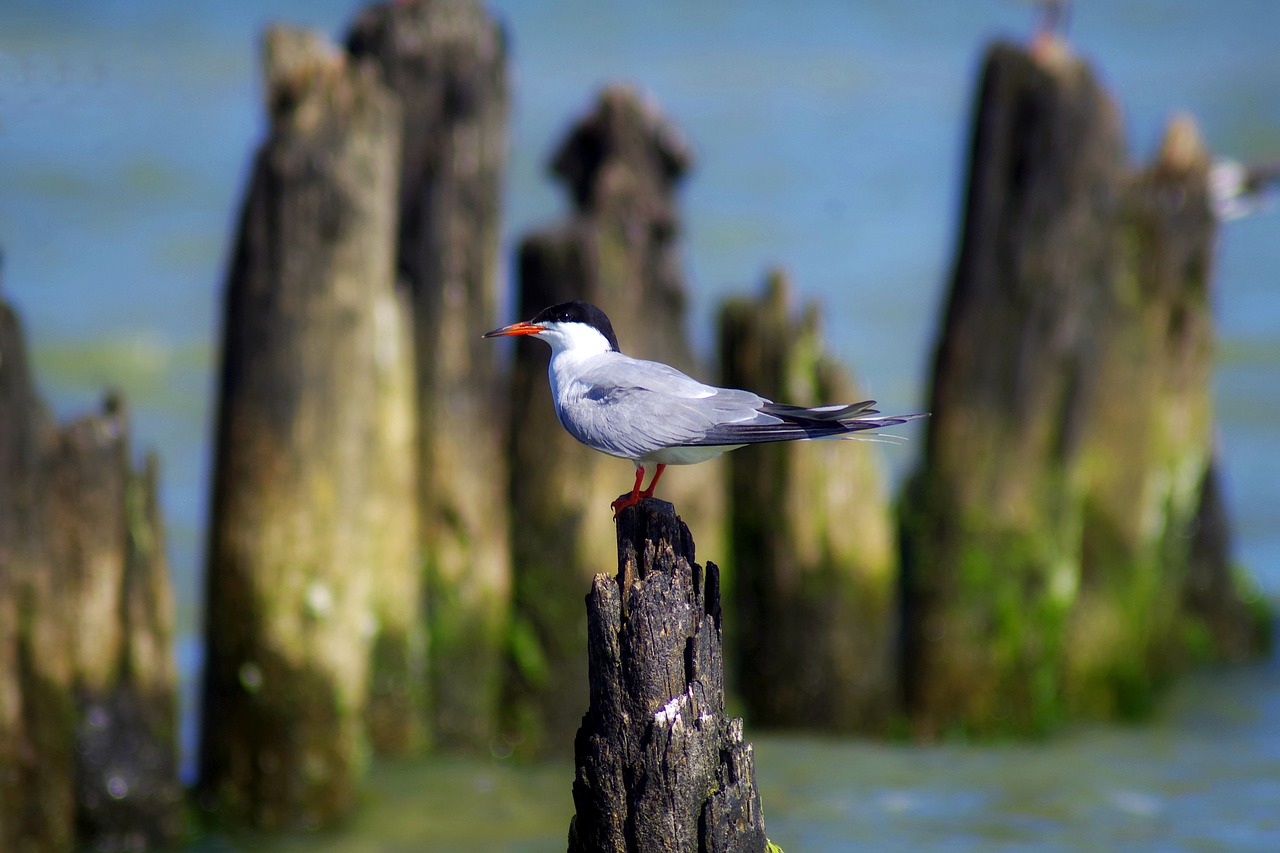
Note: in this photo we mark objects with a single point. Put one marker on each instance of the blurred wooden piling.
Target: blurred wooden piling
(312, 513)
(814, 552)
(88, 705)
(1157, 588)
(1048, 536)
(660, 767)
(619, 249)
(37, 709)
(446, 62)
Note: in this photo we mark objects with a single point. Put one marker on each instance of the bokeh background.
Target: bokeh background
(830, 138)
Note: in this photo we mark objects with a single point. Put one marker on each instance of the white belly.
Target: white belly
(685, 455)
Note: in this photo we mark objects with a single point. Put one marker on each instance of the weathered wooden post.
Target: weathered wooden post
(1156, 584)
(659, 765)
(108, 543)
(446, 62)
(619, 250)
(37, 710)
(813, 545)
(88, 706)
(1049, 533)
(308, 478)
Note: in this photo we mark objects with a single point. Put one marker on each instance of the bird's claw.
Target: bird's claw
(625, 501)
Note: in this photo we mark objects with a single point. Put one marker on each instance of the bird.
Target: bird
(1238, 189)
(654, 415)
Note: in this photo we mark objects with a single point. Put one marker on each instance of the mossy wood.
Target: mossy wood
(1054, 559)
(660, 767)
(814, 552)
(446, 62)
(88, 704)
(311, 567)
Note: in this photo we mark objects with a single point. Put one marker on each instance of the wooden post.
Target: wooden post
(88, 706)
(659, 765)
(621, 164)
(1048, 535)
(307, 492)
(1156, 585)
(446, 62)
(37, 711)
(814, 551)
(109, 543)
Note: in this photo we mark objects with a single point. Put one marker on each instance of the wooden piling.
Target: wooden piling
(307, 493)
(660, 767)
(37, 710)
(446, 62)
(1048, 533)
(619, 249)
(1146, 455)
(88, 705)
(813, 544)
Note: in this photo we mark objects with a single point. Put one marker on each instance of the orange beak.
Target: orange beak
(521, 328)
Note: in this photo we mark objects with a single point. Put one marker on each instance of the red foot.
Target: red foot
(636, 495)
(622, 503)
(632, 499)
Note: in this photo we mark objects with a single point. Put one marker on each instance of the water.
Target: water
(1180, 783)
(829, 139)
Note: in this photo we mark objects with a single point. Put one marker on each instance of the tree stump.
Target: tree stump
(619, 250)
(659, 765)
(88, 704)
(814, 550)
(311, 508)
(1048, 534)
(446, 62)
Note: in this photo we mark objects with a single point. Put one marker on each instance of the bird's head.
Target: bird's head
(576, 326)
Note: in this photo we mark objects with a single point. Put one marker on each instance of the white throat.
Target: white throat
(578, 339)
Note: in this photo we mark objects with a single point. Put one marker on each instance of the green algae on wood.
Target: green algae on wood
(446, 64)
(812, 537)
(1049, 535)
(88, 705)
(301, 456)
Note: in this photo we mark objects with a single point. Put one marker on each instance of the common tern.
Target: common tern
(653, 414)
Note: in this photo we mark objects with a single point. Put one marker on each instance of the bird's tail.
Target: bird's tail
(853, 417)
(796, 422)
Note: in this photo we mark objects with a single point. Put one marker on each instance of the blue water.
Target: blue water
(829, 137)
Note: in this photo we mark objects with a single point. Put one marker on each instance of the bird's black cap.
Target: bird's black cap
(579, 312)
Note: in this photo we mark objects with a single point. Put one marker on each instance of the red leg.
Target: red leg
(634, 498)
(648, 493)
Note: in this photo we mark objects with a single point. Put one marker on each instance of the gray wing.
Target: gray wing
(631, 408)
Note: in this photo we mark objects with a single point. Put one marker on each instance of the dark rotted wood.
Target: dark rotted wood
(814, 551)
(446, 61)
(659, 765)
(619, 249)
(312, 517)
(109, 544)
(88, 710)
(1048, 535)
